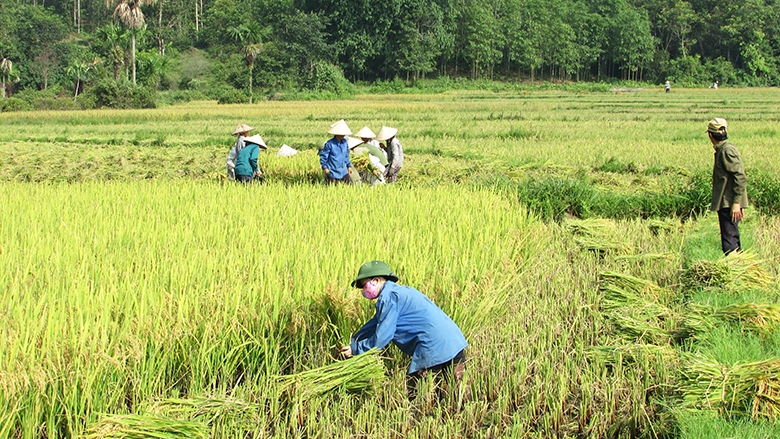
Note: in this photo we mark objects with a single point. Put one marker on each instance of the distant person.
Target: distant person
(410, 320)
(395, 153)
(729, 186)
(242, 131)
(668, 87)
(372, 145)
(247, 169)
(373, 174)
(714, 85)
(334, 155)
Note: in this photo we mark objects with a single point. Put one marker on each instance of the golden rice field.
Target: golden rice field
(144, 297)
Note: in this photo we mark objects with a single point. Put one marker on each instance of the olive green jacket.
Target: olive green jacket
(729, 183)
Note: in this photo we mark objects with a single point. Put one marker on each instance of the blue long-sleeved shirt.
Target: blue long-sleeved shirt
(415, 324)
(246, 160)
(334, 156)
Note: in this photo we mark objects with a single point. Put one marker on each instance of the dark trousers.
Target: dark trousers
(244, 178)
(343, 180)
(729, 231)
(450, 371)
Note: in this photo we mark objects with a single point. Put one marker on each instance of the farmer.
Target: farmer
(373, 174)
(729, 186)
(370, 143)
(334, 155)
(247, 169)
(668, 86)
(242, 131)
(395, 153)
(413, 322)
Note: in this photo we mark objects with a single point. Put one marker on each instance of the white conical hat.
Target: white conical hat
(365, 133)
(242, 128)
(353, 142)
(257, 140)
(386, 133)
(340, 128)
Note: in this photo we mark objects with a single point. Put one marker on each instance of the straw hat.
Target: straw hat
(365, 133)
(242, 128)
(257, 140)
(353, 142)
(340, 128)
(386, 133)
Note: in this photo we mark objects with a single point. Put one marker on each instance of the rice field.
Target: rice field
(143, 296)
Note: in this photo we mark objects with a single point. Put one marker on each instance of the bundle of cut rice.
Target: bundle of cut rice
(359, 373)
(742, 388)
(597, 235)
(361, 162)
(146, 427)
(738, 270)
(761, 318)
(613, 354)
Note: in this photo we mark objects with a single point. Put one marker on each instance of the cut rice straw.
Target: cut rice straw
(359, 373)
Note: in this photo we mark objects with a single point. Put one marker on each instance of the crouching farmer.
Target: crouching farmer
(413, 322)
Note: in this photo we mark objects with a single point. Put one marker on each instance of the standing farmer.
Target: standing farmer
(395, 153)
(413, 322)
(729, 186)
(242, 131)
(668, 86)
(247, 169)
(334, 155)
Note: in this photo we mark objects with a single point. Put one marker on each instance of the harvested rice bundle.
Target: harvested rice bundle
(361, 162)
(734, 271)
(757, 317)
(597, 235)
(747, 388)
(626, 289)
(614, 354)
(659, 226)
(647, 257)
(144, 427)
(359, 373)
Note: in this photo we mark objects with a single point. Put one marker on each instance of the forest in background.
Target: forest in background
(122, 53)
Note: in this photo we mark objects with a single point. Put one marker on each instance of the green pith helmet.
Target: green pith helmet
(373, 269)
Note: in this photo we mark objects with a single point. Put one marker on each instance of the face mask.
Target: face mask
(371, 290)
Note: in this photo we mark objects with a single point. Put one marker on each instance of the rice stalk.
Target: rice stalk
(761, 318)
(743, 388)
(146, 427)
(738, 270)
(620, 353)
(626, 288)
(359, 373)
(597, 235)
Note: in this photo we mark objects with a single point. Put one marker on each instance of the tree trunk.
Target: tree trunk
(197, 26)
(133, 58)
(251, 68)
(76, 92)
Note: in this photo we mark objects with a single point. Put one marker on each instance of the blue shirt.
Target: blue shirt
(415, 324)
(246, 160)
(334, 156)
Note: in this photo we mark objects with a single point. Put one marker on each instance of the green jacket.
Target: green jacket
(729, 183)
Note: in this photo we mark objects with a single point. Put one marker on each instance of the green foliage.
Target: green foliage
(764, 192)
(112, 94)
(325, 76)
(554, 198)
(232, 96)
(14, 104)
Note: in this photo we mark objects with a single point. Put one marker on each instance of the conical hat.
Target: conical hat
(353, 142)
(340, 128)
(386, 133)
(257, 140)
(242, 128)
(365, 133)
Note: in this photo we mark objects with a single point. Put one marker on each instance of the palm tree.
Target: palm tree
(79, 71)
(130, 14)
(115, 37)
(250, 36)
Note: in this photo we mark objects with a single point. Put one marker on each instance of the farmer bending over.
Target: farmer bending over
(413, 322)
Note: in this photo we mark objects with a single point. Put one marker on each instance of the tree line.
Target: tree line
(237, 46)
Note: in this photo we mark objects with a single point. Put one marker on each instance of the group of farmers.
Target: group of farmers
(404, 315)
(384, 159)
